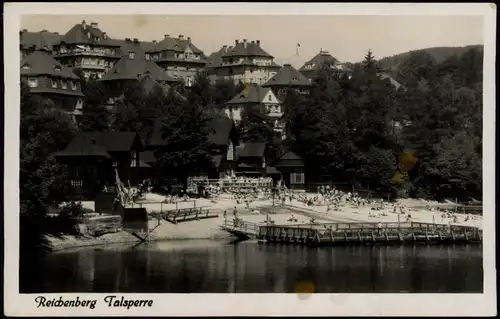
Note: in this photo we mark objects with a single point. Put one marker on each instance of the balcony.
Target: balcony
(86, 53)
(94, 66)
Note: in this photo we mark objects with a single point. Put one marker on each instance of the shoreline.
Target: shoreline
(209, 229)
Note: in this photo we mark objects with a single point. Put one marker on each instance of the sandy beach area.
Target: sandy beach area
(259, 209)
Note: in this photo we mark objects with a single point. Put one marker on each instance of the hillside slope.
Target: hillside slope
(438, 53)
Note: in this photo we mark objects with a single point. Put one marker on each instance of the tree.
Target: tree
(185, 129)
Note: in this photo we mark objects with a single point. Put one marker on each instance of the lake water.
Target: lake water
(246, 267)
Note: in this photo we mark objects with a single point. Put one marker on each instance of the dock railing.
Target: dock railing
(241, 226)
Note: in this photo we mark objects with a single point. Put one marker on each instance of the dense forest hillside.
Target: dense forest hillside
(438, 53)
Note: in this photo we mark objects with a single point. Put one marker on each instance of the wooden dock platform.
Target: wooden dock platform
(356, 233)
(241, 229)
(185, 215)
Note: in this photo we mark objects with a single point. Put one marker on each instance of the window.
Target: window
(147, 56)
(54, 84)
(295, 78)
(133, 162)
(64, 85)
(115, 163)
(77, 183)
(57, 67)
(269, 97)
(297, 178)
(26, 67)
(33, 82)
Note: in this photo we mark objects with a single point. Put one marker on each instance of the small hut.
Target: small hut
(291, 167)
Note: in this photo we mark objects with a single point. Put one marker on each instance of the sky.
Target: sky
(346, 37)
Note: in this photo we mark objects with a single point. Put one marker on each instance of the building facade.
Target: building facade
(261, 101)
(311, 68)
(135, 67)
(288, 78)
(178, 57)
(93, 157)
(49, 78)
(246, 62)
(88, 48)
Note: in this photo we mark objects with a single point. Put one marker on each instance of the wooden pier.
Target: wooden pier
(356, 233)
(185, 215)
(241, 229)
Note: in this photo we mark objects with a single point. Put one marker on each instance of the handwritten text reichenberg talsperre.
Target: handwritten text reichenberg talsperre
(110, 301)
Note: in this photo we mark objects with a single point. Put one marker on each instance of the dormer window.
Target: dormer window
(26, 67)
(295, 78)
(131, 55)
(147, 56)
(73, 86)
(57, 68)
(64, 85)
(54, 84)
(32, 82)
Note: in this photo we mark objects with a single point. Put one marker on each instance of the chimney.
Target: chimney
(24, 30)
(287, 64)
(56, 33)
(166, 36)
(253, 42)
(104, 35)
(181, 37)
(131, 55)
(84, 24)
(136, 40)
(224, 47)
(189, 39)
(258, 42)
(236, 41)
(127, 39)
(245, 43)
(154, 41)
(94, 25)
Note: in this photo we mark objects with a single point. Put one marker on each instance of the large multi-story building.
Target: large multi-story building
(87, 47)
(179, 57)
(246, 62)
(47, 77)
(311, 68)
(32, 41)
(134, 66)
(288, 78)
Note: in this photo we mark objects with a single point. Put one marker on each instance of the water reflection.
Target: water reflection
(215, 267)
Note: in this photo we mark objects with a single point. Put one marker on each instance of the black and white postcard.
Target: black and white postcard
(229, 159)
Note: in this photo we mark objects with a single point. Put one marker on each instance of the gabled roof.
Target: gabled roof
(134, 66)
(81, 145)
(247, 49)
(219, 132)
(253, 94)
(42, 63)
(255, 149)
(289, 159)
(215, 59)
(38, 40)
(84, 33)
(173, 44)
(288, 76)
(323, 57)
(114, 141)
